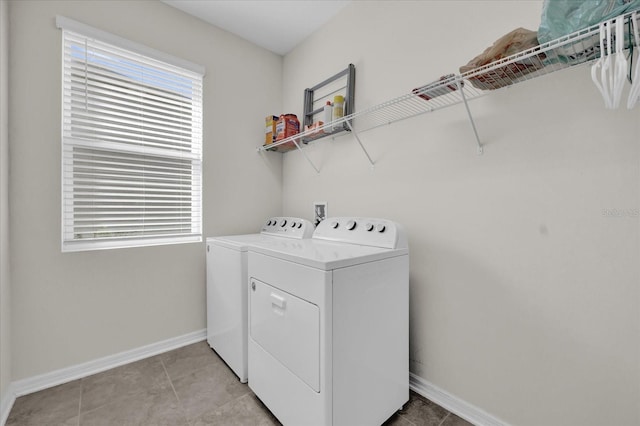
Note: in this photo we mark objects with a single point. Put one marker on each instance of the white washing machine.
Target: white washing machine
(227, 287)
(329, 323)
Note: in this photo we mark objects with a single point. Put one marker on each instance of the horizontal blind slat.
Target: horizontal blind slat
(132, 148)
(126, 202)
(178, 132)
(106, 213)
(119, 133)
(91, 106)
(104, 106)
(115, 101)
(98, 77)
(116, 94)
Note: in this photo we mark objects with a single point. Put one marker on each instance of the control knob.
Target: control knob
(283, 223)
(369, 227)
(351, 225)
(381, 228)
(334, 225)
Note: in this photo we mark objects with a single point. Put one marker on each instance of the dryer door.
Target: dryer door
(288, 328)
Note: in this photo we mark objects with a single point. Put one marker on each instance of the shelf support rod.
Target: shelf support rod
(360, 143)
(306, 156)
(473, 124)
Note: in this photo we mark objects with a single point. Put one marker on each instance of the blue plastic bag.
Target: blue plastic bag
(562, 17)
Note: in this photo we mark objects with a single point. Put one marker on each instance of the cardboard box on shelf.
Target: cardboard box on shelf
(270, 129)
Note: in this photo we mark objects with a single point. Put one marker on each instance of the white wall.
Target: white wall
(524, 296)
(5, 286)
(76, 307)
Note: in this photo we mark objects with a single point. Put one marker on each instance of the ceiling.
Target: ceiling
(278, 26)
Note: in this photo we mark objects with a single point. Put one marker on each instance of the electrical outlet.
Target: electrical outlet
(319, 212)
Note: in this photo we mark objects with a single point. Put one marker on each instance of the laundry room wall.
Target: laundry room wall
(524, 281)
(70, 308)
(5, 277)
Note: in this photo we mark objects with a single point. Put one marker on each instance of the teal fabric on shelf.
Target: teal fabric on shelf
(562, 17)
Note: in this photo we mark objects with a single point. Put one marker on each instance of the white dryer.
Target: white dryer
(227, 285)
(329, 323)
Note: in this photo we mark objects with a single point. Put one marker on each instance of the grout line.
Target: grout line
(170, 381)
(403, 417)
(220, 407)
(445, 418)
(174, 392)
(80, 400)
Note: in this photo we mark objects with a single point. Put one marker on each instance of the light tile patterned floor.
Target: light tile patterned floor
(188, 386)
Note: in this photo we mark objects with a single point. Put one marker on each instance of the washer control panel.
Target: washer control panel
(292, 227)
(363, 231)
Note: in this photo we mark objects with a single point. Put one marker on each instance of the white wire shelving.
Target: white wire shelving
(578, 48)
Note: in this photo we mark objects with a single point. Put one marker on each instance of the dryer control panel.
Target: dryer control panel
(292, 227)
(363, 231)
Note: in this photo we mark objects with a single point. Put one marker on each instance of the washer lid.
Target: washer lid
(237, 242)
(275, 227)
(324, 255)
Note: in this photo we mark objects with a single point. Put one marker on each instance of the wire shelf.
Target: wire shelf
(578, 48)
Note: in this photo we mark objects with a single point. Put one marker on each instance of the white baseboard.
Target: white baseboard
(64, 375)
(461, 408)
(6, 404)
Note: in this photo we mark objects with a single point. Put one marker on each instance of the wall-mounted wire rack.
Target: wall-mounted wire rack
(574, 49)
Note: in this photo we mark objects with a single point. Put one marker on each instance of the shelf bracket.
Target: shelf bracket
(306, 156)
(473, 124)
(360, 143)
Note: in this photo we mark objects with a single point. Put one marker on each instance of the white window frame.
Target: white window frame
(83, 150)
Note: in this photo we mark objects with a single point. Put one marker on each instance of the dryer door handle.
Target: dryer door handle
(278, 301)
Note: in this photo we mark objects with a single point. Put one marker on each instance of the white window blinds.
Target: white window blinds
(132, 148)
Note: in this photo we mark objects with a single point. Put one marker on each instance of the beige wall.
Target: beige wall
(5, 289)
(76, 307)
(524, 297)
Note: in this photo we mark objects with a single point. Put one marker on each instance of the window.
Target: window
(131, 145)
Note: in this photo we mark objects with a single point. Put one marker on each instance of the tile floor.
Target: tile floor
(188, 386)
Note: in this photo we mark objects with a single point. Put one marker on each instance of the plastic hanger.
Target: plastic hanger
(597, 70)
(619, 74)
(634, 93)
(607, 68)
